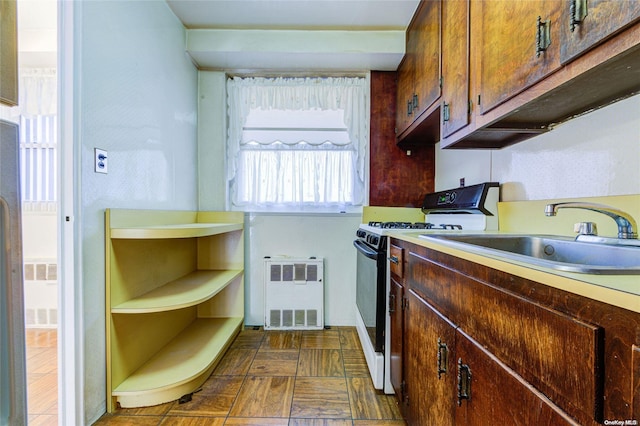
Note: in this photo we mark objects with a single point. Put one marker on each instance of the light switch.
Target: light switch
(100, 160)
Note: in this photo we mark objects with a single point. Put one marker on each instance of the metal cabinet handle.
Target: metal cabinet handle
(443, 355)
(409, 107)
(445, 112)
(464, 382)
(394, 259)
(543, 36)
(392, 303)
(415, 101)
(577, 13)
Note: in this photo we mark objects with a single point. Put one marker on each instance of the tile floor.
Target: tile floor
(42, 376)
(297, 378)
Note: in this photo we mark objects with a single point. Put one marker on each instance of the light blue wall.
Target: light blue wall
(137, 99)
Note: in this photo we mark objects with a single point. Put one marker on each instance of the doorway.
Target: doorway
(38, 156)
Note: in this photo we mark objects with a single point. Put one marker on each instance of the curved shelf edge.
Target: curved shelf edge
(189, 290)
(184, 230)
(181, 366)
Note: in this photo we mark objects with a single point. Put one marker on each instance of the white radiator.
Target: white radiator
(294, 293)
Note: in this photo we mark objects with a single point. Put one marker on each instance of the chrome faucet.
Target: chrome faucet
(626, 224)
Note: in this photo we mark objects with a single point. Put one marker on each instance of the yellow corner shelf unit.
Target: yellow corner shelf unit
(174, 300)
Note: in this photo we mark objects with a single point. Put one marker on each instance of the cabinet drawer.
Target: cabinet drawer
(396, 260)
(558, 354)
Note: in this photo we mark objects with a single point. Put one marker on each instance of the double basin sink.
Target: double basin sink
(555, 252)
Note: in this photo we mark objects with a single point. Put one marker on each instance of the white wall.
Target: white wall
(326, 236)
(137, 97)
(597, 154)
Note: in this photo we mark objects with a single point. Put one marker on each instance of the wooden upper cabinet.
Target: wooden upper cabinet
(427, 53)
(419, 72)
(455, 66)
(519, 47)
(404, 103)
(586, 23)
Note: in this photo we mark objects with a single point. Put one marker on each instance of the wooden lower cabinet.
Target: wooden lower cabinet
(430, 373)
(480, 346)
(490, 392)
(396, 297)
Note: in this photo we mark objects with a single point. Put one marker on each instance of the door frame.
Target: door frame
(71, 372)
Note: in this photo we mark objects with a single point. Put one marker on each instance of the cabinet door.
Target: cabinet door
(404, 106)
(396, 295)
(488, 392)
(426, 33)
(429, 364)
(510, 59)
(455, 66)
(586, 23)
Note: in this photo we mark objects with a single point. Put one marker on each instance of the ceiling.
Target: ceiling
(295, 35)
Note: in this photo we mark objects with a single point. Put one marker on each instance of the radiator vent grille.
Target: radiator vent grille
(294, 294)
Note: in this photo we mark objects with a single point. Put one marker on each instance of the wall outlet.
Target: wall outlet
(100, 160)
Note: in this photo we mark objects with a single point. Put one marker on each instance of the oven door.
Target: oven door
(370, 291)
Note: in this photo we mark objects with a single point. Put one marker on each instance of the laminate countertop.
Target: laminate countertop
(618, 290)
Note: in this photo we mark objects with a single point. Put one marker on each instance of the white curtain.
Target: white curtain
(38, 92)
(348, 94)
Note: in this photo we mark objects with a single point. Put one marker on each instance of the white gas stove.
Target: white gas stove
(472, 208)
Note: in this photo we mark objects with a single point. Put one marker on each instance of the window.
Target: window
(297, 144)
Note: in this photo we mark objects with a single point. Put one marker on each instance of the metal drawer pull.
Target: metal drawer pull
(394, 259)
(577, 13)
(543, 36)
(464, 382)
(443, 356)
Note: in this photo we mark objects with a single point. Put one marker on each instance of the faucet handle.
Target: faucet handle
(585, 228)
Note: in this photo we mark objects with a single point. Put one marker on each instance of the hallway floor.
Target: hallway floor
(280, 378)
(42, 376)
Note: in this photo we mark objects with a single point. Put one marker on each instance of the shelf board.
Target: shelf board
(182, 230)
(181, 366)
(190, 290)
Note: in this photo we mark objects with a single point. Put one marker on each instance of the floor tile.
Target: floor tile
(368, 403)
(114, 420)
(248, 339)
(320, 422)
(320, 362)
(256, 421)
(321, 339)
(215, 400)
(355, 364)
(192, 421)
(264, 397)
(275, 363)
(43, 420)
(320, 397)
(281, 340)
(349, 339)
(236, 362)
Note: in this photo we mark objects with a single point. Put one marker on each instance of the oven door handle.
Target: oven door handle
(365, 249)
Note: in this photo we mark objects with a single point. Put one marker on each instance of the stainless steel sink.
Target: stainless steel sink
(555, 252)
